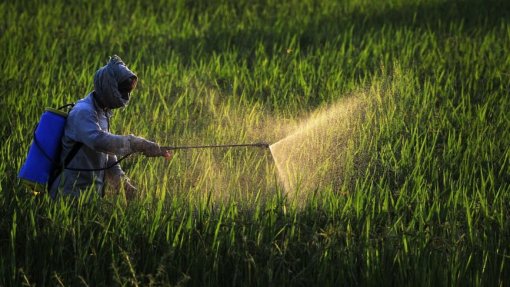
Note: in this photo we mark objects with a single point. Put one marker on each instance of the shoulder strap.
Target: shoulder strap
(59, 168)
(76, 147)
(74, 150)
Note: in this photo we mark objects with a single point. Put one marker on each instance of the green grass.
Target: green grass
(426, 197)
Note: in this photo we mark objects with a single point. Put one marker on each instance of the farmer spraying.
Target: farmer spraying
(73, 152)
(87, 144)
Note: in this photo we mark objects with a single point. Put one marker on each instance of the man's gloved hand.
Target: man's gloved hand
(129, 190)
(122, 185)
(147, 148)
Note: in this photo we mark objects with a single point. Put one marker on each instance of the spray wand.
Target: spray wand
(260, 144)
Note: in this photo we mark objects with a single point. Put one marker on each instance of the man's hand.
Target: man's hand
(122, 185)
(146, 147)
(168, 155)
(129, 190)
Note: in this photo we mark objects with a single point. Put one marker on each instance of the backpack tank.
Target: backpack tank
(43, 155)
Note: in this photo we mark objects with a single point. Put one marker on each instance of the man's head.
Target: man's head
(113, 84)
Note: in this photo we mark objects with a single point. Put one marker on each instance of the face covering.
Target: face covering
(126, 87)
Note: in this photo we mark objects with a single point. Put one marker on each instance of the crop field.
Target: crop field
(388, 124)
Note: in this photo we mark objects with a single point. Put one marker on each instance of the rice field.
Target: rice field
(388, 121)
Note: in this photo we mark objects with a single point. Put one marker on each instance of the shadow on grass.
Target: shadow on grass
(325, 27)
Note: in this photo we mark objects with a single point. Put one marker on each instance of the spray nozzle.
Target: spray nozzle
(261, 144)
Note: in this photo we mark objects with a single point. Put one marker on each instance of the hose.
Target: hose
(261, 144)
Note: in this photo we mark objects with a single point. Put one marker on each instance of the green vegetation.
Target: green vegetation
(425, 198)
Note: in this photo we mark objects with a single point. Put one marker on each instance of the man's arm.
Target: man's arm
(86, 129)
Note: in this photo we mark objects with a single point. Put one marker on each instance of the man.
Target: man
(88, 147)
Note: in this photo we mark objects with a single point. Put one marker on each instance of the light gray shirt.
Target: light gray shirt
(89, 124)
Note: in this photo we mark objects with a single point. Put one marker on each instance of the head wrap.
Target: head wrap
(107, 80)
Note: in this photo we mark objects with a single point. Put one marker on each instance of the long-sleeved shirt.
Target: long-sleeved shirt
(88, 123)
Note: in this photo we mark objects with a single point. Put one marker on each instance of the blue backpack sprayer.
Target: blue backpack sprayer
(44, 151)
